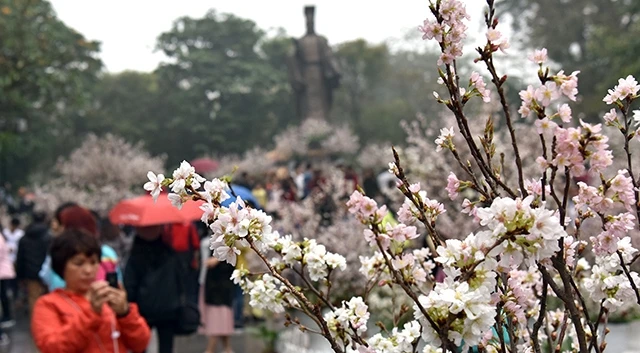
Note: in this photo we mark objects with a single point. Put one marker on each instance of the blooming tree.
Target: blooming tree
(317, 136)
(255, 161)
(312, 139)
(98, 174)
(526, 279)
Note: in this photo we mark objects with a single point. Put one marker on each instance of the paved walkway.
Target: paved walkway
(21, 342)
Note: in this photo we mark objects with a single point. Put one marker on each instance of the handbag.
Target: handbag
(188, 319)
(188, 316)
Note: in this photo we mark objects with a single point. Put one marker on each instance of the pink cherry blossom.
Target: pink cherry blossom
(495, 38)
(622, 185)
(627, 87)
(402, 232)
(478, 83)
(493, 35)
(524, 110)
(445, 138)
(606, 243)
(545, 126)
(564, 112)
(432, 30)
(611, 117)
(568, 84)
(546, 93)
(534, 187)
(453, 184)
(528, 95)
(450, 33)
(209, 212)
(539, 56)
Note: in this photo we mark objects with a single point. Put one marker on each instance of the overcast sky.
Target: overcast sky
(128, 28)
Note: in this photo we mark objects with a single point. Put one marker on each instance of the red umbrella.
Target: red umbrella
(204, 165)
(143, 211)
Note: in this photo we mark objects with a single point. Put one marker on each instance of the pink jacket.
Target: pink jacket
(7, 271)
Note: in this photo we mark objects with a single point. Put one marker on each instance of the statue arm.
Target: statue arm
(331, 67)
(295, 70)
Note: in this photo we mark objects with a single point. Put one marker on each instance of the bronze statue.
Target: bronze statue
(313, 72)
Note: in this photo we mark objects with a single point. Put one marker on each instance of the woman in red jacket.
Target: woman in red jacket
(87, 316)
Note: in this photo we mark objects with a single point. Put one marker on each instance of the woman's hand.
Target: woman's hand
(212, 262)
(98, 295)
(117, 300)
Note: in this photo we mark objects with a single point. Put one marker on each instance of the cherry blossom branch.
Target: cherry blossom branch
(627, 138)
(552, 188)
(329, 283)
(594, 341)
(512, 335)
(628, 274)
(315, 309)
(544, 173)
(541, 316)
(296, 321)
(563, 330)
(583, 303)
(456, 104)
(469, 272)
(457, 108)
(325, 301)
(569, 300)
(471, 174)
(499, 328)
(312, 287)
(635, 258)
(442, 331)
(434, 236)
(487, 57)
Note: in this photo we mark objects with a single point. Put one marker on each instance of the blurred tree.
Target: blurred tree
(363, 68)
(601, 38)
(276, 51)
(219, 91)
(126, 105)
(46, 69)
(381, 88)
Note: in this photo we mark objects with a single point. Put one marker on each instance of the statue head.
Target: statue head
(309, 12)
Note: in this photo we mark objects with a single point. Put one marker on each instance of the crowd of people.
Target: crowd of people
(303, 179)
(57, 269)
(92, 286)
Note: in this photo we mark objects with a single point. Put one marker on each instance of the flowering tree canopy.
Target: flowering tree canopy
(525, 276)
(317, 136)
(98, 174)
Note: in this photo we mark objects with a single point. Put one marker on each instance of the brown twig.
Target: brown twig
(628, 274)
(442, 331)
(315, 309)
(541, 316)
(636, 184)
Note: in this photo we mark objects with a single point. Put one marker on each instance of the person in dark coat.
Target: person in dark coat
(32, 250)
(151, 281)
(216, 300)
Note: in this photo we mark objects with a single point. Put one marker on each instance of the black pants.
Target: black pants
(165, 336)
(7, 285)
